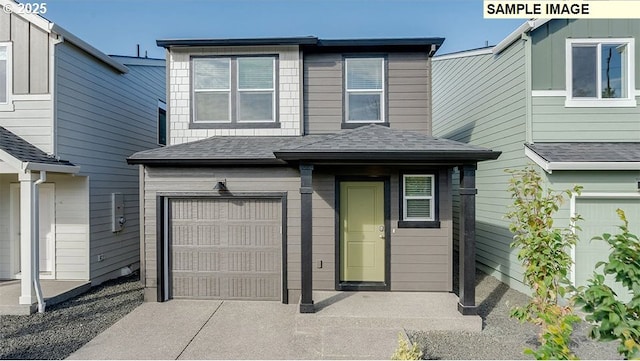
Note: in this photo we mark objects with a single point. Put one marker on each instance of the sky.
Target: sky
(117, 26)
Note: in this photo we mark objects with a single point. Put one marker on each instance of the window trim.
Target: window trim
(383, 91)
(629, 101)
(234, 95)
(162, 107)
(8, 105)
(406, 222)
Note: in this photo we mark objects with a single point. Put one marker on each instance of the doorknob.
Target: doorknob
(381, 236)
(381, 228)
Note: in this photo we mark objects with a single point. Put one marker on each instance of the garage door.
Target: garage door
(599, 217)
(226, 248)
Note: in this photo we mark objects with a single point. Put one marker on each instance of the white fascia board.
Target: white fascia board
(67, 36)
(516, 34)
(36, 20)
(549, 167)
(463, 54)
(70, 169)
(10, 160)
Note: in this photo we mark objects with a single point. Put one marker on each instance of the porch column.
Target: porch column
(467, 254)
(27, 215)
(306, 194)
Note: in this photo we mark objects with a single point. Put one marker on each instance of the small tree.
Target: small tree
(613, 319)
(544, 252)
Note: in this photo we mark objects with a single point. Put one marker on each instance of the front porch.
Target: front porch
(54, 292)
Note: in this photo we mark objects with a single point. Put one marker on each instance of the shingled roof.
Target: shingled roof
(26, 152)
(587, 152)
(380, 142)
(370, 143)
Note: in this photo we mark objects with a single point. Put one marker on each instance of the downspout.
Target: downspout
(35, 240)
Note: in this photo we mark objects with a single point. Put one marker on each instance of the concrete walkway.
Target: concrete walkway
(347, 325)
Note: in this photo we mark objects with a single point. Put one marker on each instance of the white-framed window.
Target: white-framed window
(418, 198)
(600, 72)
(5, 76)
(364, 90)
(234, 89)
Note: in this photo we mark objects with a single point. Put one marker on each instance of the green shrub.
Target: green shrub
(404, 352)
(613, 319)
(544, 253)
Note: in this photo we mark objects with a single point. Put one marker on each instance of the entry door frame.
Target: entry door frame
(364, 286)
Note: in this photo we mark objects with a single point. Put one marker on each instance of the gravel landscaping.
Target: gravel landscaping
(502, 337)
(67, 326)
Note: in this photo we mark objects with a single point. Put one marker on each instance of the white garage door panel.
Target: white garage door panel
(226, 248)
(599, 217)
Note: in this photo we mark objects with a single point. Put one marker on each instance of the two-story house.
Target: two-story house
(561, 95)
(301, 164)
(69, 117)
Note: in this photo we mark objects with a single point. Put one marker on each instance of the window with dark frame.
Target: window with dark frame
(364, 90)
(234, 90)
(418, 201)
(162, 123)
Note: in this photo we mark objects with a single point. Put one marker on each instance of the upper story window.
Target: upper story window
(364, 90)
(600, 73)
(234, 90)
(5, 73)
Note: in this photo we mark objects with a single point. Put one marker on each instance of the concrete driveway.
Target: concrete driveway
(346, 326)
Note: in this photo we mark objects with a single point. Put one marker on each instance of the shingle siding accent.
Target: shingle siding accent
(179, 93)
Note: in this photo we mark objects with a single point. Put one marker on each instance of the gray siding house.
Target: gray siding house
(301, 164)
(562, 96)
(69, 117)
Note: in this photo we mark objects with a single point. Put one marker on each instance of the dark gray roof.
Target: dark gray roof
(308, 42)
(587, 152)
(380, 142)
(370, 142)
(25, 151)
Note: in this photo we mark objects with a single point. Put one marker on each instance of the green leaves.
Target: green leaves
(613, 319)
(544, 253)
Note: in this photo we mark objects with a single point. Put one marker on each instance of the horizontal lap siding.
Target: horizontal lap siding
(421, 258)
(102, 118)
(552, 122)
(481, 100)
(408, 94)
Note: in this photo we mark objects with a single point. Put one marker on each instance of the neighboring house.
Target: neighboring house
(69, 117)
(560, 95)
(301, 164)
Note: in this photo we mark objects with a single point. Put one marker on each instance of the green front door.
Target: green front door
(362, 233)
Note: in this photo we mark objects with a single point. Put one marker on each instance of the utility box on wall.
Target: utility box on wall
(117, 212)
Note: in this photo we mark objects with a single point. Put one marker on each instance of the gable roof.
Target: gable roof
(366, 143)
(23, 155)
(585, 155)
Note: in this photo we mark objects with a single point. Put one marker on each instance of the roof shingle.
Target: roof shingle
(587, 151)
(25, 151)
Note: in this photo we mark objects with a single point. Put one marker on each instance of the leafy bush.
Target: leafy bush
(404, 352)
(544, 253)
(612, 318)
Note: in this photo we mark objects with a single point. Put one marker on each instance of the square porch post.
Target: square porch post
(306, 238)
(27, 215)
(467, 246)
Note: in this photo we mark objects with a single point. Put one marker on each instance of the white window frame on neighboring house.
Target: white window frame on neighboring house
(374, 91)
(7, 105)
(430, 198)
(628, 67)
